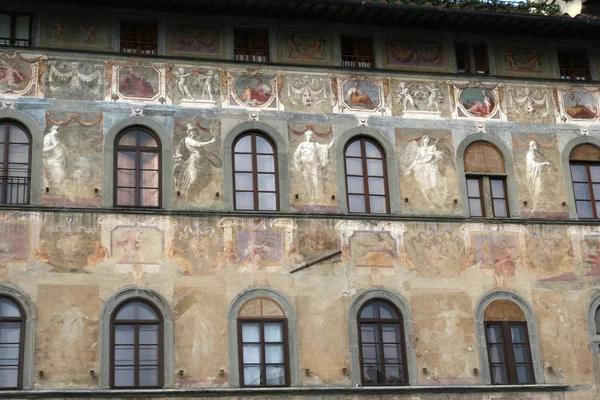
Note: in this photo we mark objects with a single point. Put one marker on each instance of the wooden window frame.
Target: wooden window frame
(21, 319)
(138, 150)
(589, 182)
(366, 175)
(509, 356)
(140, 46)
(379, 322)
(470, 57)
(486, 194)
(4, 176)
(573, 72)
(12, 40)
(250, 51)
(263, 364)
(137, 324)
(357, 60)
(255, 172)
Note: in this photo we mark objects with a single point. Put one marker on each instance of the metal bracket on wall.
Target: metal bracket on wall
(310, 264)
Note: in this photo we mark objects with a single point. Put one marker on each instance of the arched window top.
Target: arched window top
(9, 308)
(483, 157)
(261, 307)
(585, 152)
(597, 319)
(136, 311)
(379, 310)
(138, 137)
(261, 144)
(371, 149)
(503, 310)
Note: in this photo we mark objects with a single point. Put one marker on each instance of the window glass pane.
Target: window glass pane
(145, 312)
(369, 353)
(578, 173)
(145, 140)
(127, 312)
(497, 353)
(129, 139)
(124, 334)
(273, 332)
(391, 353)
(596, 189)
(376, 186)
(375, 167)
(125, 197)
(22, 27)
(149, 160)
(126, 177)
(275, 375)
(148, 376)
(354, 166)
(595, 174)
(265, 163)
(266, 182)
(252, 353)
(524, 374)
(392, 374)
(9, 309)
(9, 377)
(274, 354)
(2, 156)
(582, 191)
(521, 353)
(497, 188)
(356, 203)
(390, 333)
(5, 26)
(243, 181)
(124, 376)
(17, 135)
(473, 188)
(371, 374)
(584, 209)
(150, 179)
(10, 332)
(368, 311)
(387, 312)
(262, 146)
(250, 332)
(494, 333)
(354, 150)
(475, 207)
(355, 185)
(378, 204)
(126, 159)
(368, 333)
(244, 201)
(598, 321)
(500, 208)
(243, 162)
(244, 145)
(372, 150)
(149, 197)
(9, 354)
(124, 355)
(518, 333)
(251, 376)
(267, 201)
(148, 334)
(499, 375)
(148, 355)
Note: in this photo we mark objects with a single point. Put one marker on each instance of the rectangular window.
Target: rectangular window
(586, 188)
(499, 203)
(480, 64)
(462, 58)
(139, 37)
(574, 65)
(475, 195)
(15, 29)
(480, 56)
(357, 52)
(251, 45)
(509, 353)
(490, 191)
(263, 353)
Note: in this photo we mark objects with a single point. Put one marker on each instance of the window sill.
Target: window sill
(290, 391)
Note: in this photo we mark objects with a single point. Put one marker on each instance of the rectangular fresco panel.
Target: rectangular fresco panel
(305, 47)
(75, 31)
(518, 61)
(137, 245)
(416, 54)
(15, 242)
(196, 40)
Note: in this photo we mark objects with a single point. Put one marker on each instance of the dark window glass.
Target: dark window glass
(137, 169)
(12, 334)
(263, 352)
(136, 356)
(586, 188)
(509, 353)
(573, 64)
(251, 45)
(357, 52)
(462, 58)
(366, 177)
(139, 37)
(498, 191)
(255, 173)
(480, 56)
(475, 195)
(597, 319)
(15, 29)
(382, 348)
(15, 163)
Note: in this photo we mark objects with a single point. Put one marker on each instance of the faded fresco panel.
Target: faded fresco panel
(362, 95)
(316, 239)
(420, 99)
(137, 245)
(72, 163)
(195, 246)
(307, 93)
(538, 168)
(75, 31)
(550, 254)
(195, 86)
(14, 245)
(314, 48)
(435, 251)
(531, 104)
(416, 55)
(253, 89)
(522, 61)
(195, 40)
(371, 249)
(18, 73)
(312, 173)
(197, 164)
(74, 80)
(579, 104)
(67, 332)
(427, 171)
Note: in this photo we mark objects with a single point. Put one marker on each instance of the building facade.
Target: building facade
(304, 199)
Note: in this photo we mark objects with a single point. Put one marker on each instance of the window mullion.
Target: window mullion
(136, 355)
(138, 177)
(510, 353)
(382, 360)
(363, 149)
(591, 190)
(263, 361)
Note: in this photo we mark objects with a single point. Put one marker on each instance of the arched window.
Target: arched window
(263, 344)
(366, 177)
(507, 339)
(381, 344)
(15, 163)
(12, 338)
(255, 182)
(137, 173)
(585, 176)
(136, 346)
(597, 319)
(486, 181)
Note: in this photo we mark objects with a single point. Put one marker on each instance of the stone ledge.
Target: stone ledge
(288, 391)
